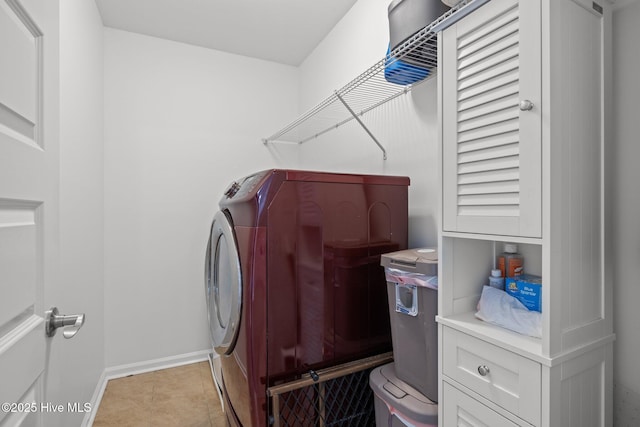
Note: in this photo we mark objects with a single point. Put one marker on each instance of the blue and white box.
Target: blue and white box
(527, 288)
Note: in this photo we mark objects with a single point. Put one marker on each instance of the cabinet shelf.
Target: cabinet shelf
(494, 237)
(370, 89)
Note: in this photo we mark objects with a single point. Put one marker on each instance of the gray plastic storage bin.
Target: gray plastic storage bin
(407, 17)
(413, 307)
(397, 404)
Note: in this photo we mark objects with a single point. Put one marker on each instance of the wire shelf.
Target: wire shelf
(371, 89)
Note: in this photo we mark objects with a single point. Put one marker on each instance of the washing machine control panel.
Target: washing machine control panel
(244, 186)
(232, 190)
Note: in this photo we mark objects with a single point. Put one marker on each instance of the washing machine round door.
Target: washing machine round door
(223, 284)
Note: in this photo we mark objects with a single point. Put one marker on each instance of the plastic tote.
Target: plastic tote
(402, 73)
(407, 17)
(412, 285)
(397, 404)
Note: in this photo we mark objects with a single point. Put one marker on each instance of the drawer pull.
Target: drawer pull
(483, 370)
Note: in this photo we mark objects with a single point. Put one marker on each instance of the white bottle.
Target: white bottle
(496, 280)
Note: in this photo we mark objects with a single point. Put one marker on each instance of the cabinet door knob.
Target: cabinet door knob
(526, 105)
(483, 370)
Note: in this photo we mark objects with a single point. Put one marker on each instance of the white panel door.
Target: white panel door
(28, 192)
(491, 144)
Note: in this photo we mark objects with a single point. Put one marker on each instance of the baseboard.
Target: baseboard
(138, 368)
(156, 364)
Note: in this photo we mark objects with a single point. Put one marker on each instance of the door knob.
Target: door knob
(71, 323)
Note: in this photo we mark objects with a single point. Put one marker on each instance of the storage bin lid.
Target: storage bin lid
(423, 260)
(397, 394)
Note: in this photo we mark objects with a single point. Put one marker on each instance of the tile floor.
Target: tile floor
(180, 397)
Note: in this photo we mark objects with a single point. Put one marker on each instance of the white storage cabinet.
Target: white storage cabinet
(524, 91)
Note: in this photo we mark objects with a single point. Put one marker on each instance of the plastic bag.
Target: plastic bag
(498, 307)
(399, 276)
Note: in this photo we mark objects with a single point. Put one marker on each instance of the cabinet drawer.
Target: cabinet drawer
(460, 409)
(507, 379)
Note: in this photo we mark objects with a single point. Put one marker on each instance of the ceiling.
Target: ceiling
(284, 31)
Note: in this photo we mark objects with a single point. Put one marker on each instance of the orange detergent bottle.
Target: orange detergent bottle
(510, 262)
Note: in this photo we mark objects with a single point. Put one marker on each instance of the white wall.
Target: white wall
(181, 123)
(76, 365)
(626, 213)
(406, 126)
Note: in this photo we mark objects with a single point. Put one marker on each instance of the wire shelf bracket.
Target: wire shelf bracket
(366, 129)
(370, 89)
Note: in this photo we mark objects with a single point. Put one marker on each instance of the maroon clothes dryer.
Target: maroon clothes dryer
(293, 278)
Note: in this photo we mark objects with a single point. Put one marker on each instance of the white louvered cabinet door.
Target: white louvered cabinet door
(491, 143)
